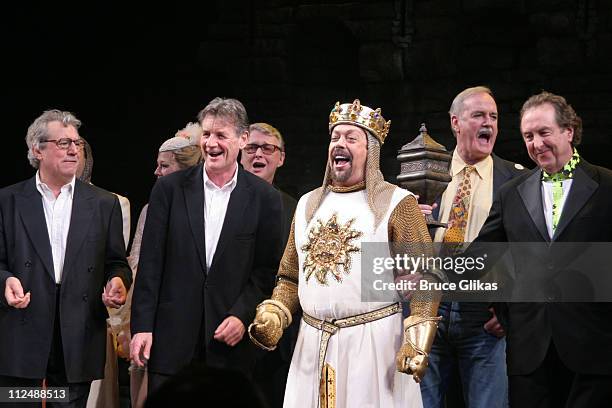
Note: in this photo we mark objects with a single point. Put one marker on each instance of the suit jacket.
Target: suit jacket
(581, 332)
(288, 205)
(176, 297)
(95, 252)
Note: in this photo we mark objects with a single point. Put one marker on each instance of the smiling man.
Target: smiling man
(559, 354)
(346, 349)
(62, 259)
(210, 249)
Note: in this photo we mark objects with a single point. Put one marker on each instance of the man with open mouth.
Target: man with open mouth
(210, 248)
(470, 338)
(263, 154)
(349, 352)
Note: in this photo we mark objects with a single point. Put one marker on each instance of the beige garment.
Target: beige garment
(125, 214)
(135, 251)
(105, 392)
(481, 196)
(138, 376)
(138, 386)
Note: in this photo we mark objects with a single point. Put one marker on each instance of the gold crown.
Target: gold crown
(362, 116)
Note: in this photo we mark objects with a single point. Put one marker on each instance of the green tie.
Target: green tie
(566, 173)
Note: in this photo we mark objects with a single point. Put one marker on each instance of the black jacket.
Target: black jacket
(174, 292)
(95, 252)
(581, 332)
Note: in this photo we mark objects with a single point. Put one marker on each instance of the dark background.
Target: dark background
(136, 74)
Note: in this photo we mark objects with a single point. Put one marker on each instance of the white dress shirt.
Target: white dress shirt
(216, 200)
(547, 201)
(57, 215)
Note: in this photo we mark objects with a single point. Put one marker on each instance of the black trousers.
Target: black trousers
(55, 375)
(156, 380)
(553, 385)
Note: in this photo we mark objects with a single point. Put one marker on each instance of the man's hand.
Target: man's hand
(114, 294)
(410, 282)
(271, 318)
(493, 326)
(409, 361)
(419, 333)
(13, 293)
(140, 348)
(426, 209)
(267, 328)
(230, 331)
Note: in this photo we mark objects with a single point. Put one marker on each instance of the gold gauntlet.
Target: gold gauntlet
(271, 318)
(419, 334)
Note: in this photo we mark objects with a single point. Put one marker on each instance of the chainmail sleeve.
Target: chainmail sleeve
(286, 290)
(408, 234)
(407, 230)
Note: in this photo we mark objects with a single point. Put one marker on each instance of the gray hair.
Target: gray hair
(457, 106)
(229, 109)
(38, 130)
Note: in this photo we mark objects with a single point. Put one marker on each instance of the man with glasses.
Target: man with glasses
(62, 260)
(263, 154)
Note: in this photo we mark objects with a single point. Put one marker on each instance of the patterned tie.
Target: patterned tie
(458, 217)
(566, 173)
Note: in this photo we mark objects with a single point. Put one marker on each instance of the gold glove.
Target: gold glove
(419, 334)
(271, 318)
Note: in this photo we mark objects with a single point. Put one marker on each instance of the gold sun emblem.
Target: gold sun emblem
(329, 249)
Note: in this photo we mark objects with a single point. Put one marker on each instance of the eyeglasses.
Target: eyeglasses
(266, 148)
(64, 143)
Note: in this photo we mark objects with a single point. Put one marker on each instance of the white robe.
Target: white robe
(362, 356)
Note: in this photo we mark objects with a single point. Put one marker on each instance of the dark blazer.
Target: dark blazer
(95, 252)
(288, 204)
(581, 332)
(175, 293)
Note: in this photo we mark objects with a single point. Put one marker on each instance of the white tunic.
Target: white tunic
(362, 356)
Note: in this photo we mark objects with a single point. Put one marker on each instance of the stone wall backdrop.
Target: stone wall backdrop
(290, 61)
(136, 74)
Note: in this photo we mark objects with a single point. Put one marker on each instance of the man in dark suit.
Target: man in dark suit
(62, 259)
(470, 340)
(559, 354)
(210, 251)
(262, 156)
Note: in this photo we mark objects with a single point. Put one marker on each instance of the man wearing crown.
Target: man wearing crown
(349, 351)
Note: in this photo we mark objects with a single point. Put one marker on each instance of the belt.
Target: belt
(331, 327)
